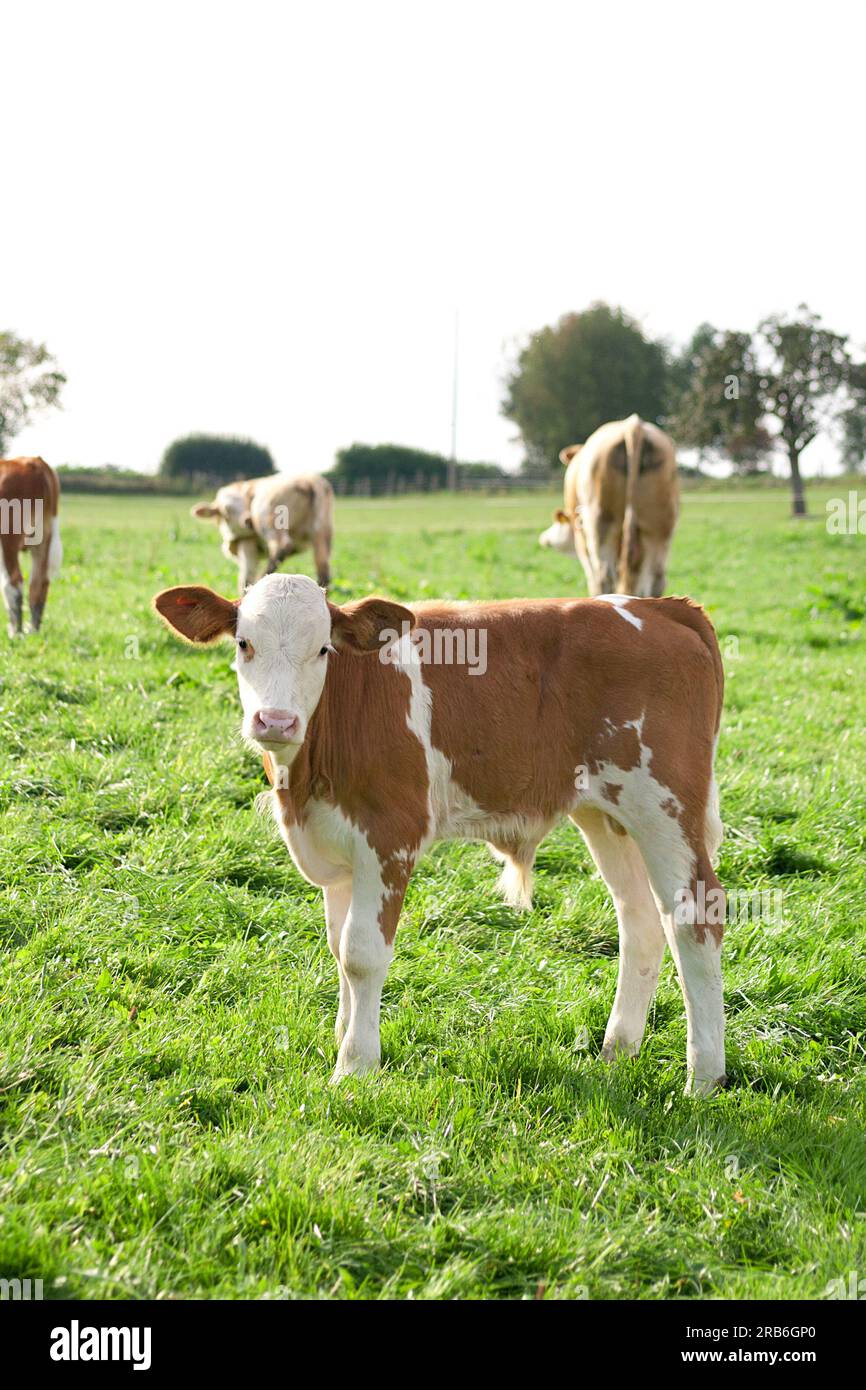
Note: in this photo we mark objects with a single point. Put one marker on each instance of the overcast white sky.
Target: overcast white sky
(261, 217)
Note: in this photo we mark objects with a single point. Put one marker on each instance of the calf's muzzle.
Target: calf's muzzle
(274, 726)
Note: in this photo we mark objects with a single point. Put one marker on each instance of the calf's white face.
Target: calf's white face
(230, 511)
(283, 637)
(285, 632)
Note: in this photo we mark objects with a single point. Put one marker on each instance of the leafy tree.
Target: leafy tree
(570, 378)
(801, 383)
(29, 382)
(716, 404)
(214, 459)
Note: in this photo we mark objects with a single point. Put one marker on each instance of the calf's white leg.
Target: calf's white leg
(700, 971)
(248, 557)
(685, 887)
(641, 938)
(365, 956)
(337, 900)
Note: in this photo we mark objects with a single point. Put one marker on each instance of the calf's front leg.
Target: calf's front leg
(366, 951)
(248, 559)
(337, 900)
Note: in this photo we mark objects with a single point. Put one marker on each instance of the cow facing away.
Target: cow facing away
(29, 522)
(265, 520)
(621, 500)
(606, 711)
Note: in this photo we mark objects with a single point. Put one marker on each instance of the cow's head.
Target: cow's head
(559, 536)
(230, 509)
(286, 632)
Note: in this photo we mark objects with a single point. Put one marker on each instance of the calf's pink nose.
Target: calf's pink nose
(278, 725)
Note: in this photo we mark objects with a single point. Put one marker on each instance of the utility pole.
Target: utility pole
(452, 462)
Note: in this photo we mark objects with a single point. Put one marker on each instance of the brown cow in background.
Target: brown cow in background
(620, 507)
(29, 502)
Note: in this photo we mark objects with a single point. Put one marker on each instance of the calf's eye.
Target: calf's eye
(242, 644)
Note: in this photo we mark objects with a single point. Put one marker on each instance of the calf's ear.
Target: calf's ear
(197, 614)
(567, 454)
(204, 510)
(562, 516)
(370, 624)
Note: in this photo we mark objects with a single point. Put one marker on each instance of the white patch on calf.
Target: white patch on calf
(619, 601)
(452, 813)
(650, 812)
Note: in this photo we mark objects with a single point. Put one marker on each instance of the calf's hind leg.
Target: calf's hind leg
(691, 904)
(11, 583)
(322, 557)
(40, 579)
(641, 938)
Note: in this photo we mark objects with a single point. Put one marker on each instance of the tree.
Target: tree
(715, 402)
(29, 382)
(802, 383)
(570, 378)
(214, 459)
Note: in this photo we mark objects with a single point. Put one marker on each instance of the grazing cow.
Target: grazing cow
(271, 518)
(604, 710)
(29, 502)
(621, 503)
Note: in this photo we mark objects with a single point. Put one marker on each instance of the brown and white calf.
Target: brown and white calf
(620, 505)
(603, 710)
(265, 520)
(29, 504)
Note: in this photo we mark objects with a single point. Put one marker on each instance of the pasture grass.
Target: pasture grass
(167, 997)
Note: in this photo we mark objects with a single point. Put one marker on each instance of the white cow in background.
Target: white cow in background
(268, 519)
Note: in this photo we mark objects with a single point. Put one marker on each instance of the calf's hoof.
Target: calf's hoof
(353, 1066)
(614, 1048)
(705, 1085)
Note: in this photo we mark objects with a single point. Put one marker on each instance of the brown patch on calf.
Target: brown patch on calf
(612, 791)
(360, 756)
(396, 873)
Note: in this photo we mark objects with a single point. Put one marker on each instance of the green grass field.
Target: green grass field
(167, 997)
